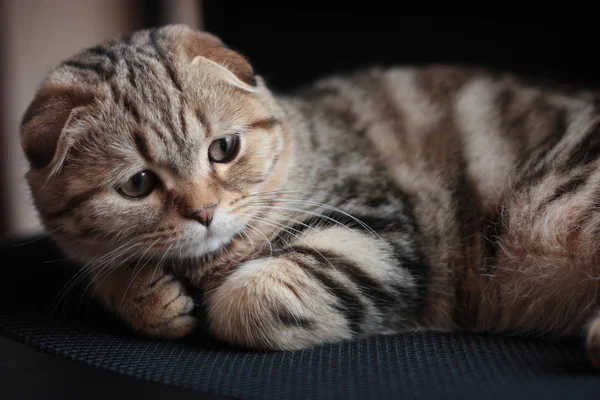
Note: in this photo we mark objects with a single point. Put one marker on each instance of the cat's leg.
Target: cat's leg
(149, 300)
(546, 277)
(326, 286)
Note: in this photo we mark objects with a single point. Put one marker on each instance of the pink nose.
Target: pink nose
(204, 215)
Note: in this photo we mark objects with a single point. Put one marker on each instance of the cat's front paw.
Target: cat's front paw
(274, 304)
(159, 307)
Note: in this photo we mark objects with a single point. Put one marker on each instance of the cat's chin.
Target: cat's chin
(199, 249)
(198, 242)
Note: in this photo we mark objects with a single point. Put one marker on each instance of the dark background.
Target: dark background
(290, 46)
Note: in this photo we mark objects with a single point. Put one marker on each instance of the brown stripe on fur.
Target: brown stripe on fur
(158, 132)
(393, 148)
(73, 203)
(534, 128)
(103, 51)
(116, 92)
(142, 146)
(467, 206)
(588, 150)
(596, 196)
(131, 107)
(182, 122)
(177, 126)
(131, 74)
(570, 186)
(467, 209)
(91, 67)
(534, 165)
(493, 229)
(442, 82)
(274, 162)
(390, 113)
(365, 284)
(442, 149)
(171, 201)
(165, 61)
(293, 321)
(204, 122)
(272, 165)
(513, 117)
(265, 123)
(349, 304)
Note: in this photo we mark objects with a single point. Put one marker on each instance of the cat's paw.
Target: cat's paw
(273, 304)
(159, 307)
(593, 342)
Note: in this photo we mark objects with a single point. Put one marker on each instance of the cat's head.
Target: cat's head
(152, 142)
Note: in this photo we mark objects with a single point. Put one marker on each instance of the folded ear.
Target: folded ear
(208, 46)
(49, 123)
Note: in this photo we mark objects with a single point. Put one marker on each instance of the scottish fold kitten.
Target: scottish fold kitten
(390, 200)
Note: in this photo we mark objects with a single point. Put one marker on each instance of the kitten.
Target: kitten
(390, 200)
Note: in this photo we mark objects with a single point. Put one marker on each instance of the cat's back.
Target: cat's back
(403, 100)
(393, 90)
(401, 116)
(435, 117)
(434, 130)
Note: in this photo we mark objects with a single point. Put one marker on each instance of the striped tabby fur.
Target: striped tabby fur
(444, 198)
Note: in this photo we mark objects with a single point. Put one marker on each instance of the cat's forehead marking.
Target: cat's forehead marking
(142, 145)
(203, 121)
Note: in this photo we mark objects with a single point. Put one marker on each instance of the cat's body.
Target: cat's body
(439, 198)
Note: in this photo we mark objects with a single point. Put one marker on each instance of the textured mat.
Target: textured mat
(423, 365)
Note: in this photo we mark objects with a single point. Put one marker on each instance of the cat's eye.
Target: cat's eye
(225, 149)
(139, 185)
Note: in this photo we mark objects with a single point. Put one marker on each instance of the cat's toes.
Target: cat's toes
(164, 310)
(272, 304)
(593, 342)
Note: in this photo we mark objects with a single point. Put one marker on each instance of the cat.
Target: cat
(441, 197)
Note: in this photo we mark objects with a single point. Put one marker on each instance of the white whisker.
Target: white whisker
(45, 235)
(81, 274)
(255, 229)
(284, 228)
(325, 217)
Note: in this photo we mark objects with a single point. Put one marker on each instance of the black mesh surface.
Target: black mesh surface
(424, 365)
